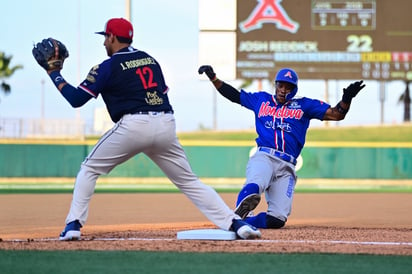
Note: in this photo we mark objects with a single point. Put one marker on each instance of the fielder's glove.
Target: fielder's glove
(50, 54)
(209, 72)
(351, 91)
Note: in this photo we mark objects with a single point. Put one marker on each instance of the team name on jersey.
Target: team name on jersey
(267, 110)
(137, 63)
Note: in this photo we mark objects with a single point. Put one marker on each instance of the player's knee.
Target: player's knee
(273, 222)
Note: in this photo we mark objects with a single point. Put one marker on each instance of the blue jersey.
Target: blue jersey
(282, 127)
(129, 81)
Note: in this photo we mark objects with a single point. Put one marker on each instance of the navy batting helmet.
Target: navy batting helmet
(290, 76)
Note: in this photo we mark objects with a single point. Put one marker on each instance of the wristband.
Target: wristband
(57, 78)
(341, 110)
(214, 80)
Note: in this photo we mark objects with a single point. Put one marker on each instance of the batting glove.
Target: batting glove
(209, 72)
(351, 91)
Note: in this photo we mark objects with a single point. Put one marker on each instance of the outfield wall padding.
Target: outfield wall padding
(62, 160)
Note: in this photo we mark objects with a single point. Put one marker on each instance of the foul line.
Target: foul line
(255, 241)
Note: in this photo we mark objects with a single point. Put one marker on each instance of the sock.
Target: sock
(258, 221)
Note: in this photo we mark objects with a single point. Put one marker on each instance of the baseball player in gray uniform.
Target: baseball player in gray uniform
(133, 88)
(281, 121)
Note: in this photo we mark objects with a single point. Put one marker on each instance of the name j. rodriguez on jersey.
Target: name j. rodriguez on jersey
(137, 63)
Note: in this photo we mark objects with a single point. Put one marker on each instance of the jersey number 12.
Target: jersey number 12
(146, 75)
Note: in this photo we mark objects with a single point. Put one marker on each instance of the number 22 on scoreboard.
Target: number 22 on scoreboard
(359, 43)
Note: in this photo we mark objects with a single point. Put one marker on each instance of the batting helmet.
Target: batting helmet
(290, 76)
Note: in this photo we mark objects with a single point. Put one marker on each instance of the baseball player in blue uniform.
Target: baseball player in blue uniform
(134, 90)
(281, 120)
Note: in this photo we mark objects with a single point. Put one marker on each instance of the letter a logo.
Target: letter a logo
(269, 11)
(288, 74)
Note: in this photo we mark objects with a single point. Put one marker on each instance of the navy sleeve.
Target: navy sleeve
(75, 96)
(230, 93)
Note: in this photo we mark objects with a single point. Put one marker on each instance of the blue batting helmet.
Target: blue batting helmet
(290, 76)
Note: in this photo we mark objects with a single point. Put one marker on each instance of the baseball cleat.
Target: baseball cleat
(71, 232)
(244, 230)
(248, 204)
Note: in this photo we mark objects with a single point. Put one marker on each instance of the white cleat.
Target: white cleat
(71, 232)
(71, 235)
(245, 231)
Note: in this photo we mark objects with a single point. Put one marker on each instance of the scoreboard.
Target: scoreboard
(325, 39)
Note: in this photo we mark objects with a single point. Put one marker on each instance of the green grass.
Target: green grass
(327, 134)
(44, 262)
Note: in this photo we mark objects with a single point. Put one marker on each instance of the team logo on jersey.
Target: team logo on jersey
(282, 126)
(92, 73)
(153, 99)
(294, 104)
(269, 11)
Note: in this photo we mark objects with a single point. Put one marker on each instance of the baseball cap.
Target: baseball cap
(119, 27)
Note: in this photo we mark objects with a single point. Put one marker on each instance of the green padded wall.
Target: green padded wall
(62, 160)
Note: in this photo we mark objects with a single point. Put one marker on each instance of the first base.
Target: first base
(206, 234)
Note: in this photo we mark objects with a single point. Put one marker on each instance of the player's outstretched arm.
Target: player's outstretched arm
(226, 90)
(339, 111)
(50, 55)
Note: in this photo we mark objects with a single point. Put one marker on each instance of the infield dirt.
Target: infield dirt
(367, 223)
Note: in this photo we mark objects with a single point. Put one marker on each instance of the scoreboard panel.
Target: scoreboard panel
(325, 39)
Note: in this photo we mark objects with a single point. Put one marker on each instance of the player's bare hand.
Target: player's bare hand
(208, 70)
(351, 91)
